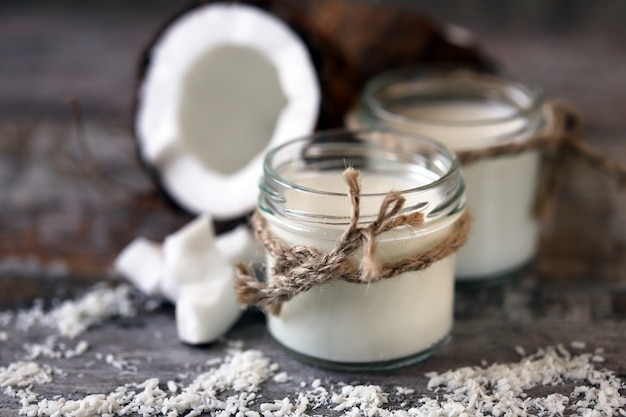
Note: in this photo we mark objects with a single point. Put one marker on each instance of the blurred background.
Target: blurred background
(53, 50)
(69, 205)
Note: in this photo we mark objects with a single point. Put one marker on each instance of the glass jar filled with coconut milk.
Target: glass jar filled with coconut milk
(471, 111)
(304, 204)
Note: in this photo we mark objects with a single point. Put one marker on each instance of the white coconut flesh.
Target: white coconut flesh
(191, 254)
(141, 262)
(194, 270)
(226, 82)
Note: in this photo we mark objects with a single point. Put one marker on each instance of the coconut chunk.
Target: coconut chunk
(141, 262)
(207, 309)
(239, 245)
(194, 271)
(190, 256)
(200, 279)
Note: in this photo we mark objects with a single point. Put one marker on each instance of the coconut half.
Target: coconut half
(225, 81)
(222, 84)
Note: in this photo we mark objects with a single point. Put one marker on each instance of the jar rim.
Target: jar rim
(426, 74)
(269, 170)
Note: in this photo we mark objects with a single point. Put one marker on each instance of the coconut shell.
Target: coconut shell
(328, 63)
(371, 37)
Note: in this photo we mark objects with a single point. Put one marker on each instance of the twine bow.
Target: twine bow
(299, 268)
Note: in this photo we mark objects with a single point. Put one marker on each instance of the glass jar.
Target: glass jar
(304, 201)
(468, 111)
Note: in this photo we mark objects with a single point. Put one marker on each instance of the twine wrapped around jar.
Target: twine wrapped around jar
(561, 137)
(299, 268)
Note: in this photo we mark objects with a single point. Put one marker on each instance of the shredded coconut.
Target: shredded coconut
(499, 390)
(281, 377)
(172, 387)
(118, 363)
(230, 385)
(242, 371)
(6, 318)
(404, 391)
(23, 374)
(318, 397)
(72, 318)
(53, 349)
(361, 397)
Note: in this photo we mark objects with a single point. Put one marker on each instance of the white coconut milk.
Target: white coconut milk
(469, 109)
(500, 190)
(359, 323)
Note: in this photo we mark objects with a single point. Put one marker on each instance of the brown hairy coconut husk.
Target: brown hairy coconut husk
(374, 36)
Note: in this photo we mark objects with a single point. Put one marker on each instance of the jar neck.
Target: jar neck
(464, 109)
(303, 185)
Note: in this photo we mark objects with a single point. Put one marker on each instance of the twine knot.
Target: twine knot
(299, 268)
